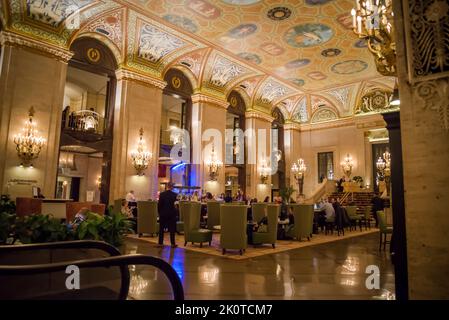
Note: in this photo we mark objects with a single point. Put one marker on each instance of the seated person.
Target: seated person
(261, 226)
(329, 214)
(289, 221)
(126, 210)
(80, 216)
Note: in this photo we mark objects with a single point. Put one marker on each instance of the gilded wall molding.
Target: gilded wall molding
(129, 75)
(202, 98)
(292, 126)
(16, 40)
(259, 115)
(435, 96)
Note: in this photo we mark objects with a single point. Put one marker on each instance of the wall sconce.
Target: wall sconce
(140, 157)
(213, 165)
(264, 170)
(298, 169)
(28, 143)
(347, 165)
(98, 182)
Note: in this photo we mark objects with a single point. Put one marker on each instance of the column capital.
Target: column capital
(130, 75)
(252, 114)
(16, 40)
(199, 97)
(292, 126)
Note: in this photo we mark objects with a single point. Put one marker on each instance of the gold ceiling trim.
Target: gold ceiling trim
(17, 40)
(130, 75)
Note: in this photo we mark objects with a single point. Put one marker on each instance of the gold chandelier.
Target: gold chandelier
(28, 143)
(298, 169)
(372, 21)
(141, 158)
(214, 165)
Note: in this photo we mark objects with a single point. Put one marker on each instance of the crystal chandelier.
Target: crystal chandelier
(28, 143)
(383, 166)
(298, 169)
(213, 164)
(347, 165)
(140, 157)
(372, 21)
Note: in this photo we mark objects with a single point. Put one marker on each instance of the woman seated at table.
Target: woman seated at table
(261, 226)
(286, 222)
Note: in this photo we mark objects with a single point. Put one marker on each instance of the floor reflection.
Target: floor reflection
(334, 270)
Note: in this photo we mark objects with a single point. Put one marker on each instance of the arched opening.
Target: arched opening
(277, 143)
(235, 171)
(176, 116)
(85, 152)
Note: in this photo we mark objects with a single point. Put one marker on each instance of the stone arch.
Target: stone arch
(188, 74)
(116, 52)
(178, 82)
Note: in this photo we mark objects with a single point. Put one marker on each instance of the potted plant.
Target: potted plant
(6, 224)
(359, 180)
(39, 228)
(286, 194)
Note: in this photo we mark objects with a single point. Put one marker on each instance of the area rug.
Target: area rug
(259, 250)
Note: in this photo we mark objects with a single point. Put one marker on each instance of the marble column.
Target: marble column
(424, 96)
(32, 74)
(208, 121)
(292, 146)
(258, 148)
(138, 104)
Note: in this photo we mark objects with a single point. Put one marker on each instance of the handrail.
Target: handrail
(120, 261)
(78, 244)
(318, 193)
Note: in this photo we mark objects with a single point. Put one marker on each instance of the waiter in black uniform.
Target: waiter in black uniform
(167, 214)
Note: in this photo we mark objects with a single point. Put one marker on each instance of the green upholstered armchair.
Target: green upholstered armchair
(303, 225)
(233, 227)
(117, 208)
(180, 223)
(354, 217)
(384, 229)
(192, 231)
(213, 214)
(271, 235)
(147, 218)
(258, 210)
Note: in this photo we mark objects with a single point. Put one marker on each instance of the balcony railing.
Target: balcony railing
(83, 121)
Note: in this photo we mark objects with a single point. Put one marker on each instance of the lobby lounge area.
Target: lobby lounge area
(224, 150)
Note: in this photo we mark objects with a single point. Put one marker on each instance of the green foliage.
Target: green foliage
(7, 205)
(6, 224)
(40, 228)
(106, 228)
(358, 179)
(286, 193)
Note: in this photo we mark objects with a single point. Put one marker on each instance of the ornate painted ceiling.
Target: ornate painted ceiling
(299, 55)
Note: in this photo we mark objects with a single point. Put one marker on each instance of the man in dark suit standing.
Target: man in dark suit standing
(167, 214)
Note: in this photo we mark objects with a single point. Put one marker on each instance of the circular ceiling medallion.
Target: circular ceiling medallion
(297, 63)
(308, 35)
(242, 31)
(251, 57)
(279, 13)
(93, 55)
(331, 52)
(176, 82)
(349, 67)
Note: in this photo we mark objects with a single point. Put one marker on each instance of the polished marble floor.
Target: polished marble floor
(328, 271)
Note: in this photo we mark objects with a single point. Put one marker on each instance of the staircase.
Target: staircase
(360, 199)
